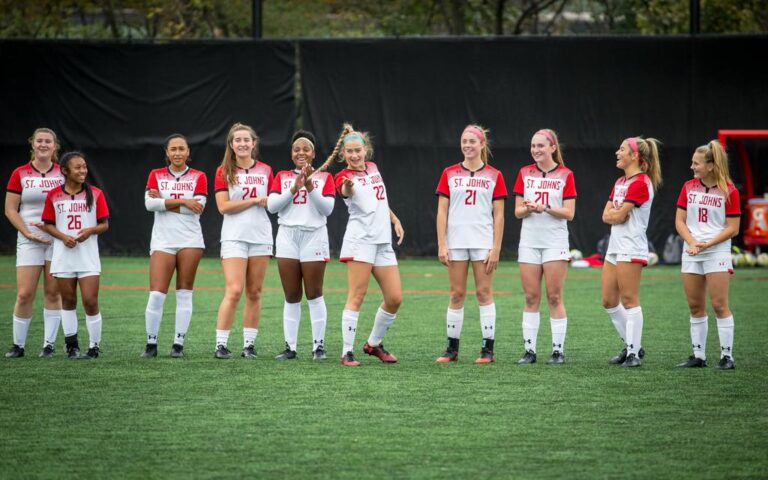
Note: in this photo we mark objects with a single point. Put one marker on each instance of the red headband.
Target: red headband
(547, 134)
(632, 141)
(476, 132)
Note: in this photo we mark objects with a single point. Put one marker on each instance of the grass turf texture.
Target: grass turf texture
(125, 417)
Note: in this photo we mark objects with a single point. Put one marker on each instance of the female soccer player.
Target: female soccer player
(24, 199)
(303, 205)
(367, 246)
(241, 186)
(707, 218)
(470, 226)
(546, 201)
(75, 214)
(628, 211)
(177, 195)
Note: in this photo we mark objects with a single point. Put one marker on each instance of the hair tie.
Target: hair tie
(478, 132)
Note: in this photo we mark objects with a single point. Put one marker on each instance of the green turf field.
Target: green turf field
(125, 417)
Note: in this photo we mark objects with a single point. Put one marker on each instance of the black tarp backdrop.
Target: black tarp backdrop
(119, 101)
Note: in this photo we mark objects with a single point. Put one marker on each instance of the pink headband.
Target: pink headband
(632, 141)
(476, 132)
(547, 134)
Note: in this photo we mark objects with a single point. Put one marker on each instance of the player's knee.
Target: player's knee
(721, 308)
(25, 296)
(393, 301)
(457, 296)
(233, 293)
(313, 293)
(610, 302)
(532, 300)
(484, 296)
(554, 299)
(293, 297)
(254, 295)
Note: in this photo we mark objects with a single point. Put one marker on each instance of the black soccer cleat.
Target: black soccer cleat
(726, 363)
(249, 352)
(693, 362)
(150, 351)
(15, 352)
(287, 354)
(557, 358)
(620, 358)
(92, 353)
(177, 351)
(73, 353)
(631, 361)
(222, 353)
(528, 357)
(73, 347)
(319, 354)
(451, 352)
(47, 351)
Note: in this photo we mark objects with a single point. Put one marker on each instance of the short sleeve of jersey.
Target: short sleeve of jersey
(276, 185)
(500, 190)
(569, 190)
(219, 184)
(49, 216)
(682, 200)
(14, 183)
(637, 193)
(733, 205)
(329, 190)
(102, 211)
(152, 181)
(201, 188)
(442, 185)
(339, 179)
(519, 188)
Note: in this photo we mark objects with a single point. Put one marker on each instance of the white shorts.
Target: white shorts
(240, 249)
(539, 256)
(170, 250)
(302, 245)
(464, 254)
(379, 254)
(75, 274)
(707, 264)
(32, 254)
(612, 258)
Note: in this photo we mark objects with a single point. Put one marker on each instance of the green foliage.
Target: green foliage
(125, 417)
(195, 19)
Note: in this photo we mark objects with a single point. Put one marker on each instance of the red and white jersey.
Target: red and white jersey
(304, 210)
(542, 230)
(470, 211)
(630, 237)
(252, 224)
(70, 214)
(706, 210)
(33, 186)
(368, 206)
(177, 230)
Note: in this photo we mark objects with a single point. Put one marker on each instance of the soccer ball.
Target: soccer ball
(750, 259)
(762, 259)
(738, 259)
(653, 258)
(576, 254)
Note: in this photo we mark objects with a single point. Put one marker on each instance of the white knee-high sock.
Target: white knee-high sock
(725, 330)
(51, 322)
(454, 320)
(318, 315)
(93, 324)
(381, 324)
(531, 322)
(619, 318)
(183, 315)
(349, 329)
(634, 329)
(153, 315)
(291, 319)
(488, 321)
(20, 329)
(558, 326)
(699, 327)
(69, 322)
